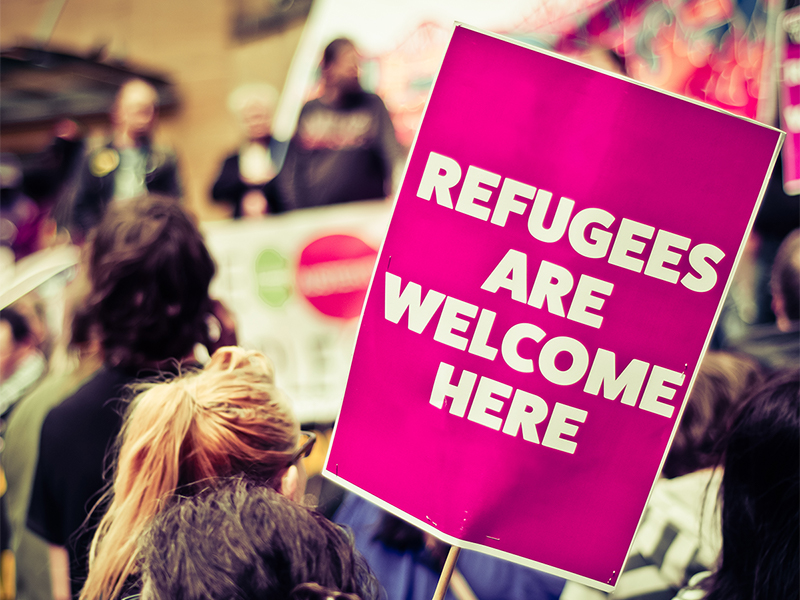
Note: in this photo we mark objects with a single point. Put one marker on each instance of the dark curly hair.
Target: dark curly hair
(149, 271)
(332, 50)
(244, 540)
(724, 380)
(760, 495)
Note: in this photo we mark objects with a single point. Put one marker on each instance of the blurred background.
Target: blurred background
(198, 52)
(66, 58)
(298, 279)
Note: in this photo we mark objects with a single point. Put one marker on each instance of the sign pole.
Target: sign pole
(447, 573)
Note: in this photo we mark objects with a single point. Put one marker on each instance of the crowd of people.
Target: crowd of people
(345, 149)
(162, 461)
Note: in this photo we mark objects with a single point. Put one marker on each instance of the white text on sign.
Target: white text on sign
(587, 231)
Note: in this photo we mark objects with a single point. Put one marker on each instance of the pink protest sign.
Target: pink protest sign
(557, 256)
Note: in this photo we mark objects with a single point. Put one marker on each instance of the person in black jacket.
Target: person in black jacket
(129, 165)
(148, 305)
(345, 148)
(246, 180)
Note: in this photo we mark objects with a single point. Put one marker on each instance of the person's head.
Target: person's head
(180, 436)
(254, 105)
(149, 272)
(243, 540)
(134, 112)
(723, 381)
(15, 341)
(341, 66)
(785, 282)
(760, 499)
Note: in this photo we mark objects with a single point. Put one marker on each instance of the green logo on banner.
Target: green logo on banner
(273, 277)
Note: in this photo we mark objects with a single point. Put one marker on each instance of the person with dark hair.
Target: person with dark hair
(345, 148)
(21, 363)
(179, 437)
(785, 282)
(679, 533)
(50, 177)
(760, 495)
(81, 360)
(149, 272)
(129, 165)
(21, 217)
(244, 540)
(723, 382)
(777, 345)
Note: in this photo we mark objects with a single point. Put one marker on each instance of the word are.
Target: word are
(525, 413)
(454, 322)
(588, 230)
(552, 283)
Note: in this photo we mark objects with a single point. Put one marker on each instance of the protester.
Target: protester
(777, 345)
(49, 178)
(83, 359)
(179, 437)
(22, 364)
(777, 216)
(408, 562)
(246, 180)
(760, 494)
(149, 273)
(7, 560)
(243, 540)
(20, 216)
(129, 165)
(345, 147)
(679, 535)
(723, 381)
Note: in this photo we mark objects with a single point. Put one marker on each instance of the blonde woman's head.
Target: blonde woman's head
(180, 436)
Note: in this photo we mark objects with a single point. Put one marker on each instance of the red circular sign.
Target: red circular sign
(334, 273)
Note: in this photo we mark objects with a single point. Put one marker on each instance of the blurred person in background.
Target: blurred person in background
(149, 273)
(778, 215)
(22, 364)
(345, 148)
(777, 345)
(49, 178)
(179, 438)
(129, 165)
(244, 540)
(760, 495)
(679, 535)
(408, 562)
(20, 217)
(22, 444)
(246, 180)
(7, 563)
(723, 382)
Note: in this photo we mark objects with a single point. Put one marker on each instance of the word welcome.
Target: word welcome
(454, 322)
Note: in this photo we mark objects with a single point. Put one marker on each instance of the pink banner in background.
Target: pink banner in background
(789, 30)
(541, 302)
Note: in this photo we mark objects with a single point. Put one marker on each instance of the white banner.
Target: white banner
(295, 284)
